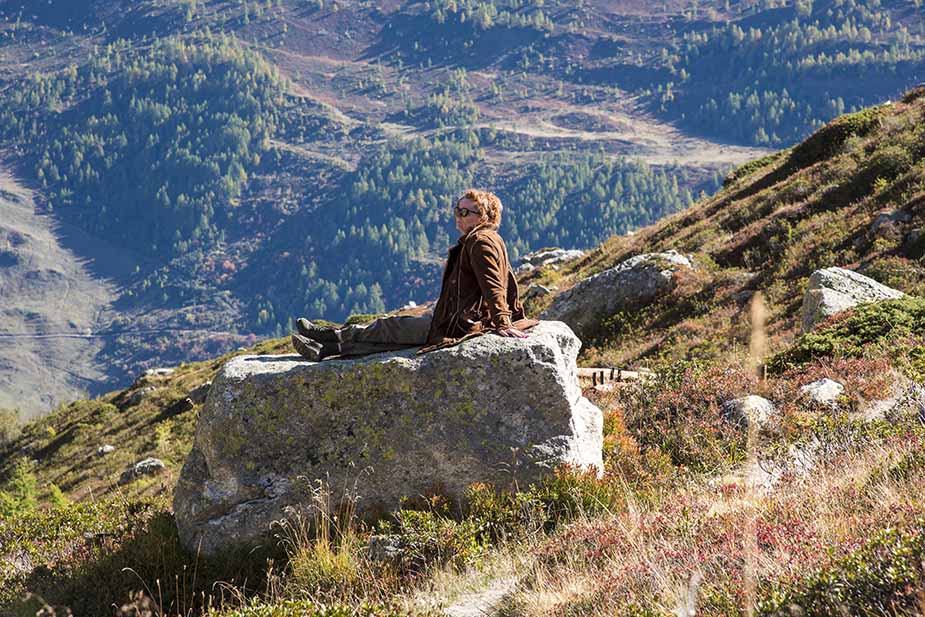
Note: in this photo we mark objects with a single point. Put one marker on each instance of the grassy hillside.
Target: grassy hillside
(776, 220)
(676, 521)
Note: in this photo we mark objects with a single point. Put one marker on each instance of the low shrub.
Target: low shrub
(571, 492)
(899, 273)
(890, 161)
(305, 608)
(10, 426)
(326, 566)
(913, 95)
(749, 168)
(678, 413)
(501, 515)
(430, 538)
(864, 330)
(433, 536)
(19, 493)
(90, 556)
(826, 141)
(883, 577)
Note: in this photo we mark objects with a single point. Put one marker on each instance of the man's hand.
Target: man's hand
(512, 331)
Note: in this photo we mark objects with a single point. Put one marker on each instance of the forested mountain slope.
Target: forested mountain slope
(255, 161)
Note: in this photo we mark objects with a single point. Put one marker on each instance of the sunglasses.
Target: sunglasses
(464, 212)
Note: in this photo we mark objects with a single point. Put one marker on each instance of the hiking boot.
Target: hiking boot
(322, 334)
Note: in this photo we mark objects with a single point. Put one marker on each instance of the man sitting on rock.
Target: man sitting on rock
(478, 295)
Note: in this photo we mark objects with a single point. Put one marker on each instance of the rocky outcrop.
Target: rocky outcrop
(146, 467)
(197, 395)
(493, 409)
(547, 257)
(833, 290)
(631, 283)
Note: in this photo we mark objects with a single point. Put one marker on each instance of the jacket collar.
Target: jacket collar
(471, 232)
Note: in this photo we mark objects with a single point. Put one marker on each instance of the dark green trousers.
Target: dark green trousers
(385, 334)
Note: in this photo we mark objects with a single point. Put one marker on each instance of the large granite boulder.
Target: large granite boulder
(493, 409)
(833, 290)
(629, 284)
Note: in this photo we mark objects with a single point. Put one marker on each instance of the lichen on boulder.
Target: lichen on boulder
(499, 410)
(833, 290)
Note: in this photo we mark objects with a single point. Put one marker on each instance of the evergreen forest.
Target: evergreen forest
(152, 148)
(773, 77)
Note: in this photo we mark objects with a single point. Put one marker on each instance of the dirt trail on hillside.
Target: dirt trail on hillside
(634, 133)
(482, 602)
(45, 288)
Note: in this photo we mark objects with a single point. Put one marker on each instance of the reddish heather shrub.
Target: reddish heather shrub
(679, 413)
(624, 462)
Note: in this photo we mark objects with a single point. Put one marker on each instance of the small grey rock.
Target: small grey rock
(823, 391)
(749, 409)
(385, 548)
(899, 216)
(147, 467)
(547, 257)
(159, 372)
(536, 291)
(889, 219)
(903, 399)
(181, 406)
(105, 449)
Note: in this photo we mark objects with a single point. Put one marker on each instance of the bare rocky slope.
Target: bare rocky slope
(52, 301)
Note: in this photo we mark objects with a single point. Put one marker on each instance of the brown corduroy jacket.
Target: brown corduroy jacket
(479, 291)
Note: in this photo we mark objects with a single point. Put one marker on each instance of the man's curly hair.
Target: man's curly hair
(488, 203)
